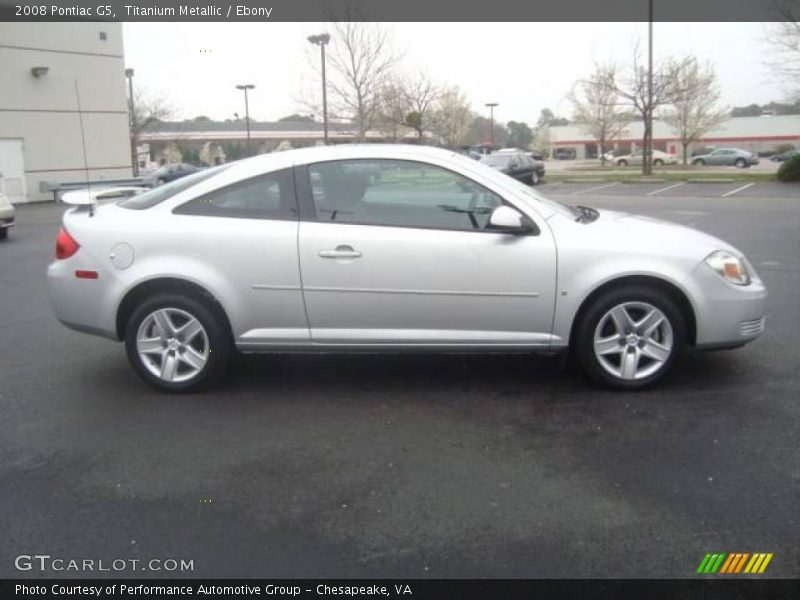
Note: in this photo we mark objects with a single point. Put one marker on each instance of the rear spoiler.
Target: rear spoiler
(86, 197)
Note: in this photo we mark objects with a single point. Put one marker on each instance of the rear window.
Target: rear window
(163, 192)
(497, 160)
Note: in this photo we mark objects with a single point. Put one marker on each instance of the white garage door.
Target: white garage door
(12, 171)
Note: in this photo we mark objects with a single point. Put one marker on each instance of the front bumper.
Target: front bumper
(727, 315)
(7, 222)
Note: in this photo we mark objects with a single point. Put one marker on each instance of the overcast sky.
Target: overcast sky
(523, 66)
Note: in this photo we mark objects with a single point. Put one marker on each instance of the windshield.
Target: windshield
(497, 160)
(161, 193)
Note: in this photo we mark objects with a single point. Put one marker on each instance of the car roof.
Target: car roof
(303, 156)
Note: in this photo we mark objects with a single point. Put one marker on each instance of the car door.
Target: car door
(408, 259)
(244, 237)
(717, 157)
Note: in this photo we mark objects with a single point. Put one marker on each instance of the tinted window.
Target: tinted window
(269, 196)
(400, 194)
(161, 193)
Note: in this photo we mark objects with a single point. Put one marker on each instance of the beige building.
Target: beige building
(40, 125)
(756, 134)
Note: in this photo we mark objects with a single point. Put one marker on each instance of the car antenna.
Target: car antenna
(83, 144)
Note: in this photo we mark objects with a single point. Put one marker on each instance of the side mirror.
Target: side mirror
(507, 219)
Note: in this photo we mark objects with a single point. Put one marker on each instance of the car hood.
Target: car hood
(626, 232)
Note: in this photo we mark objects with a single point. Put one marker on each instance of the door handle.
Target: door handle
(340, 252)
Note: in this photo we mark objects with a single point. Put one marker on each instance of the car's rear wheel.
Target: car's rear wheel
(629, 338)
(3, 233)
(658, 162)
(622, 163)
(699, 162)
(740, 163)
(177, 343)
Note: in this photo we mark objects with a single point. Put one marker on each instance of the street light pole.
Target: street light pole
(132, 108)
(322, 40)
(648, 150)
(491, 106)
(244, 87)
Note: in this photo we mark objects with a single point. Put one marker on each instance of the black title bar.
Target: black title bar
(482, 589)
(397, 10)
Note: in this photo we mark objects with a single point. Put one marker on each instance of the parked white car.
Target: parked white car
(636, 158)
(7, 218)
(303, 250)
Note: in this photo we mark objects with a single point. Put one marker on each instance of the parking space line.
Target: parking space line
(669, 187)
(739, 189)
(598, 187)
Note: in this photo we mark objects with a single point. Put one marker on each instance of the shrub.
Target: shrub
(781, 148)
(790, 169)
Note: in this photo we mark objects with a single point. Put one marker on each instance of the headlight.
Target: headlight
(729, 266)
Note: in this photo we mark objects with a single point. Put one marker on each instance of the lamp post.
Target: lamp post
(132, 108)
(244, 87)
(491, 106)
(648, 147)
(322, 40)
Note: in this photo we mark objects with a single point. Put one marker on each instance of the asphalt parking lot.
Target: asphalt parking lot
(409, 466)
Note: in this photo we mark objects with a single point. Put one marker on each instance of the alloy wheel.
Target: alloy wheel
(633, 340)
(172, 344)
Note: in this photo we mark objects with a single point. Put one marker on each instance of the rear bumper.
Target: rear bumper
(82, 304)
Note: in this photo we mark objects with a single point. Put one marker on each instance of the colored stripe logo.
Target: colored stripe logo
(737, 562)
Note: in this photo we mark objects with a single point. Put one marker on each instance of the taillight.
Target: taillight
(65, 245)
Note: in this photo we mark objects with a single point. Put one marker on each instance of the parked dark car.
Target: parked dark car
(785, 155)
(169, 173)
(518, 165)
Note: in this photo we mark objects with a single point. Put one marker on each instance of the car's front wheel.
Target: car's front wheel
(699, 162)
(629, 338)
(741, 163)
(622, 163)
(534, 178)
(177, 343)
(658, 162)
(3, 233)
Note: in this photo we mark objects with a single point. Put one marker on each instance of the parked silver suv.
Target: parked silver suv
(391, 248)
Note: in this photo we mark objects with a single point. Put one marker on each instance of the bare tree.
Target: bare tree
(420, 95)
(392, 109)
(596, 106)
(697, 110)
(361, 60)
(784, 39)
(149, 108)
(451, 116)
(632, 86)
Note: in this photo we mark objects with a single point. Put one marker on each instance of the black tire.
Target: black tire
(740, 163)
(161, 181)
(584, 337)
(699, 162)
(220, 344)
(622, 163)
(534, 178)
(3, 233)
(658, 162)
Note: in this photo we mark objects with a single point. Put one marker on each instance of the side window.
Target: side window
(269, 196)
(399, 193)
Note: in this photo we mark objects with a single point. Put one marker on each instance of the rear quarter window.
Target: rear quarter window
(166, 191)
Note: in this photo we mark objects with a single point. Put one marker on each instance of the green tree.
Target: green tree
(520, 135)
